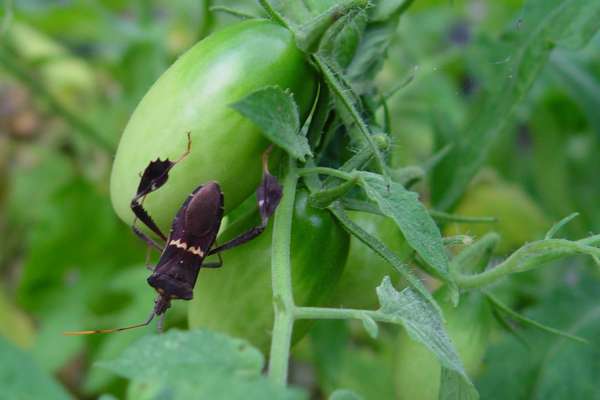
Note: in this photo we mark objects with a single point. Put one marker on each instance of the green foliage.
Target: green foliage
(412, 219)
(22, 378)
(546, 24)
(423, 324)
(276, 113)
(420, 376)
(196, 364)
(551, 367)
(344, 394)
(414, 100)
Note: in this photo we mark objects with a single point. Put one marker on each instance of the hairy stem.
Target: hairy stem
(341, 313)
(273, 13)
(531, 256)
(327, 171)
(334, 84)
(281, 275)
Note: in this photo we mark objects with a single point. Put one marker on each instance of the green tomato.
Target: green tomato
(520, 219)
(194, 95)
(236, 299)
(365, 269)
(418, 371)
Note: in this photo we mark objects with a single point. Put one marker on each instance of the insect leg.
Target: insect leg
(142, 215)
(147, 239)
(154, 177)
(161, 323)
(268, 195)
(214, 264)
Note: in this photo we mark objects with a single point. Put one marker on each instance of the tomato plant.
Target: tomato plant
(419, 153)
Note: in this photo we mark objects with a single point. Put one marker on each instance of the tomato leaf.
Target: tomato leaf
(22, 378)
(412, 218)
(385, 9)
(453, 386)
(552, 368)
(341, 40)
(423, 323)
(580, 82)
(370, 54)
(344, 394)
(370, 326)
(309, 20)
(546, 23)
(276, 113)
(501, 307)
(198, 364)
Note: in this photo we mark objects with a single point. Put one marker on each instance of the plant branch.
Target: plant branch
(334, 84)
(531, 256)
(341, 313)
(281, 275)
(232, 11)
(327, 171)
(274, 14)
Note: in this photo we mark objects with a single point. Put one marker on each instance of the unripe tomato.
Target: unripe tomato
(237, 299)
(520, 219)
(418, 371)
(194, 95)
(365, 269)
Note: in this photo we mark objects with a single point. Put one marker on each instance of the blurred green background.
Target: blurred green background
(71, 72)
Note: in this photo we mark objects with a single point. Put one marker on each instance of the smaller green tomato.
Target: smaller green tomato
(520, 219)
(365, 269)
(418, 371)
(236, 299)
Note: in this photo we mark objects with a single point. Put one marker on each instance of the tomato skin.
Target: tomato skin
(365, 269)
(417, 372)
(237, 299)
(194, 95)
(520, 219)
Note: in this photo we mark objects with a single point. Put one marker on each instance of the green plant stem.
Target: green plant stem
(341, 313)
(232, 11)
(327, 171)
(281, 275)
(334, 84)
(382, 250)
(273, 13)
(500, 306)
(325, 197)
(531, 256)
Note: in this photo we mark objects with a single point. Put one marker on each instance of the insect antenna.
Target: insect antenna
(93, 332)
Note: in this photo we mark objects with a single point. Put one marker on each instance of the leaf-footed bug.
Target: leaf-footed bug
(192, 235)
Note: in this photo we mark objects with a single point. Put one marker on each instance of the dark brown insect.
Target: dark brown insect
(193, 233)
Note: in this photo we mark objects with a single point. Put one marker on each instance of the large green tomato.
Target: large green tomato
(237, 299)
(418, 371)
(365, 269)
(194, 95)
